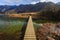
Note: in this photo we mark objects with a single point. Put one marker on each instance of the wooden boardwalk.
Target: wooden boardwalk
(30, 33)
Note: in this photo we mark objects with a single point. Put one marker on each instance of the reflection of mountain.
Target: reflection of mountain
(27, 8)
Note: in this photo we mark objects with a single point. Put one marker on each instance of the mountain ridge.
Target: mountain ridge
(27, 8)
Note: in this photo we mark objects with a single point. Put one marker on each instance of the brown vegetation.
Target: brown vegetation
(48, 31)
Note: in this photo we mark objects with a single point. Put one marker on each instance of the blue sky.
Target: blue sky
(17, 2)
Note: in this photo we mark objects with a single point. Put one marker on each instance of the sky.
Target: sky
(18, 2)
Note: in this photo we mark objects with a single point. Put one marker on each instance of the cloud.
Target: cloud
(42, 0)
(17, 2)
(1, 3)
(13, 1)
(48, 1)
(34, 2)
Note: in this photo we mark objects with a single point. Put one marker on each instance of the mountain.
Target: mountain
(33, 8)
(28, 7)
(58, 3)
(6, 8)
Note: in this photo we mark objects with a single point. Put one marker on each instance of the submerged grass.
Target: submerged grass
(11, 26)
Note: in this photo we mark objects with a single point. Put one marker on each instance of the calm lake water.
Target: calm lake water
(10, 25)
(13, 25)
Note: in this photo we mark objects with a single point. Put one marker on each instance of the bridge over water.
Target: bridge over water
(29, 33)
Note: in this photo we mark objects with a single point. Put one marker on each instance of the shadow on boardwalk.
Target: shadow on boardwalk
(23, 29)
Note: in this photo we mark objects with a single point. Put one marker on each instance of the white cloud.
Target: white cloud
(1, 3)
(13, 1)
(42, 0)
(34, 2)
(48, 1)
